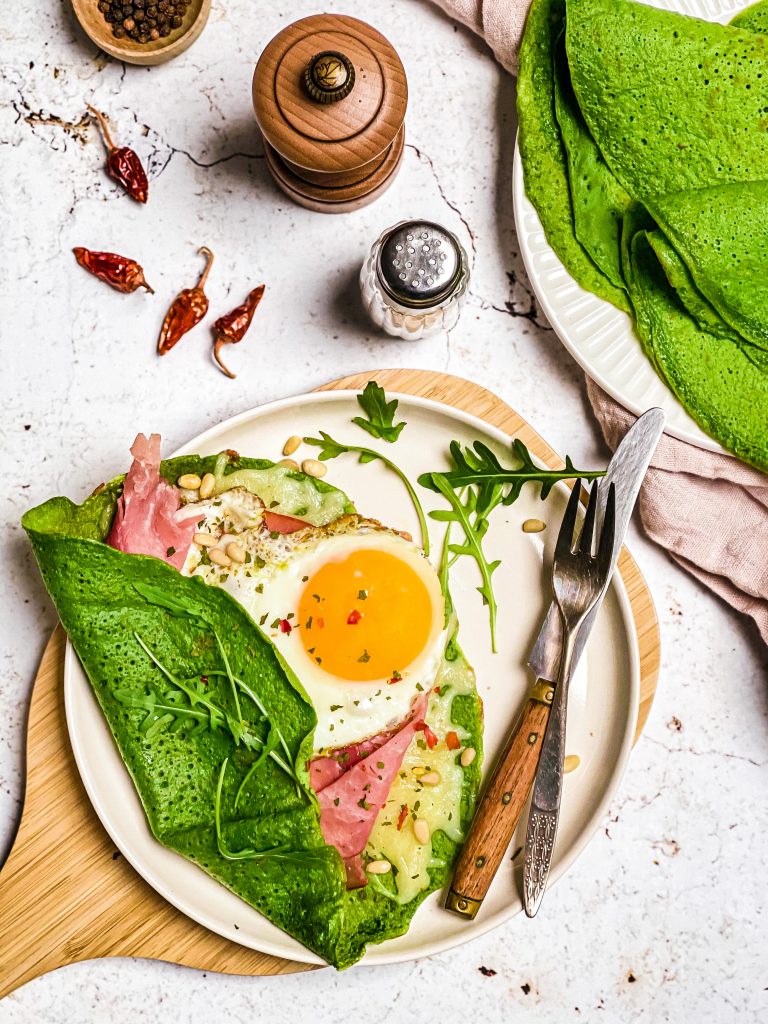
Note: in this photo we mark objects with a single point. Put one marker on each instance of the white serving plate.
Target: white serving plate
(604, 697)
(600, 337)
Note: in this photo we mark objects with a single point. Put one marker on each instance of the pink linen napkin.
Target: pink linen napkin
(709, 511)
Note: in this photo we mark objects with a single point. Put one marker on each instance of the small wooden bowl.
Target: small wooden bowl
(158, 52)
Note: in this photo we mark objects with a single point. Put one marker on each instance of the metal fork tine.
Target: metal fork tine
(588, 530)
(565, 537)
(605, 547)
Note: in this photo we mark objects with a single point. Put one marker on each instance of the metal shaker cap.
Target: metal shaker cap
(419, 263)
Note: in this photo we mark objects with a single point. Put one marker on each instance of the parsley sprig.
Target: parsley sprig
(332, 449)
(380, 413)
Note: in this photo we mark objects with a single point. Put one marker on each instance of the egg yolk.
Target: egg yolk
(365, 617)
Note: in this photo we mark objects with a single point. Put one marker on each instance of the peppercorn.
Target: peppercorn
(143, 20)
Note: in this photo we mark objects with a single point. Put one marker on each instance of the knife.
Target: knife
(507, 791)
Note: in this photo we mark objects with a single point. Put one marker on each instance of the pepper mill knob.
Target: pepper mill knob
(329, 77)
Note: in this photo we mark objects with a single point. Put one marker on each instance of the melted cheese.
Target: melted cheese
(440, 805)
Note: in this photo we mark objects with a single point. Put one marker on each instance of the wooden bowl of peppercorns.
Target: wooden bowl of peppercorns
(143, 31)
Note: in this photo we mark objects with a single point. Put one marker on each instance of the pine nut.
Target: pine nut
(236, 552)
(218, 557)
(313, 468)
(467, 757)
(189, 481)
(379, 867)
(430, 779)
(289, 464)
(533, 526)
(207, 485)
(571, 763)
(418, 771)
(289, 448)
(421, 831)
(205, 540)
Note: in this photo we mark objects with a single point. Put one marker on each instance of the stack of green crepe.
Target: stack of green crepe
(644, 141)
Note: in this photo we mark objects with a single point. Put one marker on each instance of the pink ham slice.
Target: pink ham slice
(325, 770)
(145, 521)
(349, 805)
(283, 524)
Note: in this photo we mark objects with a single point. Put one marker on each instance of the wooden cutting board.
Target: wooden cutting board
(66, 893)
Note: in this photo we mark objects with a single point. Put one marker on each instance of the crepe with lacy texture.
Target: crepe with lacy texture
(127, 615)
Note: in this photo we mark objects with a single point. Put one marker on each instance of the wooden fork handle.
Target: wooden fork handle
(500, 807)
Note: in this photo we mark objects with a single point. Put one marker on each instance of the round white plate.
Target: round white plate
(603, 708)
(600, 337)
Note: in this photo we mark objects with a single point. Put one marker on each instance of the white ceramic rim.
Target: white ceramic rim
(376, 954)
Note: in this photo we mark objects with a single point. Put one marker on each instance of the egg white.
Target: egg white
(269, 586)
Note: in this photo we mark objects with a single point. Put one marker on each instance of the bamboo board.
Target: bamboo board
(66, 893)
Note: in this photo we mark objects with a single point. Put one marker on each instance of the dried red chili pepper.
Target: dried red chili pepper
(232, 328)
(121, 272)
(122, 163)
(186, 311)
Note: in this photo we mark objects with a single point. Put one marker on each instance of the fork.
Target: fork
(579, 579)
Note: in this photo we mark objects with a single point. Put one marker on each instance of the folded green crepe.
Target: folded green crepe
(160, 650)
(597, 199)
(721, 234)
(657, 123)
(695, 362)
(543, 153)
(674, 103)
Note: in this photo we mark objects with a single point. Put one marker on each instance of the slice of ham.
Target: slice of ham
(355, 869)
(276, 523)
(349, 805)
(145, 521)
(325, 770)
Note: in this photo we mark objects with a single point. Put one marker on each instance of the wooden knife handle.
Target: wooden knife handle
(500, 807)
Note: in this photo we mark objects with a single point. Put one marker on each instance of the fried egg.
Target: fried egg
(354, 608)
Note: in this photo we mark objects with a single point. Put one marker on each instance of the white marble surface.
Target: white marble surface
(663, 919)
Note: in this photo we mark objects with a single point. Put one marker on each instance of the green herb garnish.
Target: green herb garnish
(275, 852)
(477, 484)
(479, 467)
(218, 717)
(380, 413)
(331, 449)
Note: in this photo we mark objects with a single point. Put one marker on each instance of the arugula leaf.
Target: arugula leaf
(331, 449)
(164, 712)
(283, 852)
(462, 512)
(474, 487)
(478, 466)
(273, 739)
(246, 854)
(380, 413)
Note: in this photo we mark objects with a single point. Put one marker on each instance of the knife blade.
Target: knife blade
(626, 470)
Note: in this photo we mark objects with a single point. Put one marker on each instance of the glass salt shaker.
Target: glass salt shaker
(414, 282)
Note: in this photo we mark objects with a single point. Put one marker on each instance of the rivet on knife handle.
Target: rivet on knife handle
(500, 807)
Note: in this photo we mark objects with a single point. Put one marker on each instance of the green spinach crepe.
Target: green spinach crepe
(212, 724)
(658, 123)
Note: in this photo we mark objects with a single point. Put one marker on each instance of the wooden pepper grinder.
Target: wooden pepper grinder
(330, 95)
